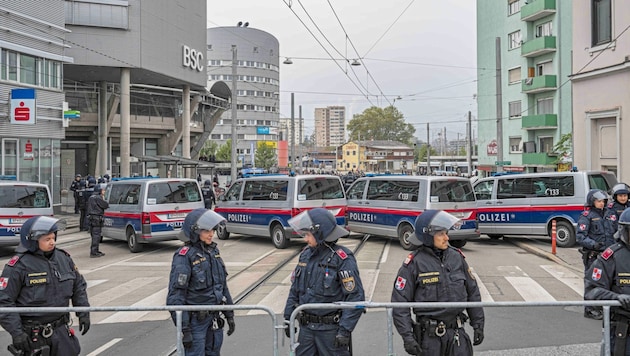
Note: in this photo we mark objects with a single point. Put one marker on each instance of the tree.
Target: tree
(266, 156)
(209, 150)
(564, 148)
(376, 123)
(421, 153)
(224, 152)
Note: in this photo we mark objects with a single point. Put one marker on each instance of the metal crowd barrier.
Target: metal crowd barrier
(178, 309)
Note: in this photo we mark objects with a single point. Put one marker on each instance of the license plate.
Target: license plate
(17, 220)
(177, 216)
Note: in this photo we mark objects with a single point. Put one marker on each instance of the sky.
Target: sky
(419, 56)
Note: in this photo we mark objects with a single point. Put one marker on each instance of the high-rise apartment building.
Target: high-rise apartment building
(330, 126)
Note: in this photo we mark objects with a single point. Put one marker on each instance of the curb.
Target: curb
(544, 254)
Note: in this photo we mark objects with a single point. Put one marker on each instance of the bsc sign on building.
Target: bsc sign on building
(23, 107)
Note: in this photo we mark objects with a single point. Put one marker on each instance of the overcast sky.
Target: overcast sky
(422, 51)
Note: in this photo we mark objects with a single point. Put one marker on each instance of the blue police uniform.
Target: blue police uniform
(199, 277)
(615, 208)
(33, 278)
(208, 194)
(326, 273)
(96, 206)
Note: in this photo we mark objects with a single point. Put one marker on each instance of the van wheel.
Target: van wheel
(565, 236)
(404, 232)
(279, 237)
(494, 236)
(457, 243)
(132, 241)
(222, 232)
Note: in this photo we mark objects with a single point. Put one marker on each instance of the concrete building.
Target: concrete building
(374, 156)
(535, 39)
(330, 126)
(601, 85)
(257, 85)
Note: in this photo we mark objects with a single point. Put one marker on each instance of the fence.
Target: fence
(275, 327)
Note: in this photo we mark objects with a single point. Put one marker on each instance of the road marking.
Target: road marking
(529, 289)
(567, 277)
(105, 347)
(155, 299)
(116, 292)
(94, 282)
(276, 300)
(485, 294)
(142, 264)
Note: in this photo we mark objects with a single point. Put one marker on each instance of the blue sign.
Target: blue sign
(262, 130)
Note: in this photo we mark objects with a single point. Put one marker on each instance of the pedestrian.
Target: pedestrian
(618, 205)
(42, 275)
(96, 206)
(608, 279)
(198, 277)
(74, 187)
(594, 234)
(436, 272)
(326, 273)
(208, 194)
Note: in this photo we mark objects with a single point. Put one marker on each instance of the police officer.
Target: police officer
(326, 273)
(74, 187)
(594, 234)
(83, 196)
(618, 205)
(436, 272)
(607, 279)
(198, 277)
(208, 194)
(41, 275)
(96, 206)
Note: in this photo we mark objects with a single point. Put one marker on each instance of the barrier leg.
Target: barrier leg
(390, 331)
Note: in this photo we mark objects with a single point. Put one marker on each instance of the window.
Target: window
(515, 144)
(554, 186)
(546, 144)
(26, 69)
(266, 190)
(173, 192)
(514, 6)
(514, 75)
(356, 192)
(544, 68)
(544, 106)
(452, 191)
(514, 40)
(23, 196)
(601, 22)
(483, 190)
(393, 190)
(544, 29)
(515, 109)
(319, 188)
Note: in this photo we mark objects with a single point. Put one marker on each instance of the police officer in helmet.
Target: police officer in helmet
(198, 277)
(208, 194)
(436, 272)
(326, 273)
(620, 202)
(607, 279)
(53, 280)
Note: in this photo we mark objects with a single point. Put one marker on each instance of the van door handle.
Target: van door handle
(488, 203)
(499, 202)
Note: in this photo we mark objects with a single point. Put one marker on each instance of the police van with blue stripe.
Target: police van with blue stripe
(387, 205)
(526, 204)
(262, 204)
(143, 210)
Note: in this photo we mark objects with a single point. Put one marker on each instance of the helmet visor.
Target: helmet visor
(209, 220)
(44, 225)
(302, 223)
(599, 195)
(443, 221)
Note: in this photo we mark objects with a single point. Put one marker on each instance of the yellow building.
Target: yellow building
(374, 156)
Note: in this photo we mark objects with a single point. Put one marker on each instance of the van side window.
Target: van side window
(483, 190)
(23, 197)
(184, 192)
(452, 191)
(119, 193)
(597, 181)
(393, 190)
(319, 188)
(554, 186)
(235, 192)
(266, 190)
(356, 192)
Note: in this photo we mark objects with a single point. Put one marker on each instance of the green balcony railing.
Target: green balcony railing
(539, 46)
(539, 84)
(540, 159)
(537, 9)
(544, 121)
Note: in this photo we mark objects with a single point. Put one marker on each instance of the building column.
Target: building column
(101, 159)
(125, 122)
(186, 128)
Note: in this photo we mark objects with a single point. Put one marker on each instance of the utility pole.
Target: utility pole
(499, 104)
(301, 140)
(234, 95)
(469, 145)
(428, 151)
(292, 160)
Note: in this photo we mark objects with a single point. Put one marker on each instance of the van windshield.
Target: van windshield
(320, 188)
(173, 192)
(23, 197)
(451, 191)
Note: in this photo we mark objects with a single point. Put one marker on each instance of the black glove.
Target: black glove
(187, 338)
(478, 336)
(624, 299)
(84, 324)
(21, 342)
(287, 331)
(231, 326)
(342, 341)
(412, 347)
(598, 246)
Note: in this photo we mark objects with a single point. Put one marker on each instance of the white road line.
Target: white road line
(156, 299)
(95, 282)
(567, 277)
(276, 300)
(105, 347)
(111, 294)
(142, 264)
(485, 295)
(529, 289)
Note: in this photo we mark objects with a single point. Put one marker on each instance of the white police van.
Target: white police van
(261, 204)
(387, 205)
(143, 210)
(526, 204)
(18, 202)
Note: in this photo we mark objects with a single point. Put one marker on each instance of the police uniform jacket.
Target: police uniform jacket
(609, 274)
(96, 205)
(593, 226)
(83, 196)
(208, 196)
(75, 185)
(425, 277)
(326, 273)
(613, 210)
(198, 277)
(34, 280)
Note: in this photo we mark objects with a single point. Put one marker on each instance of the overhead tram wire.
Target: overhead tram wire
(389, 28)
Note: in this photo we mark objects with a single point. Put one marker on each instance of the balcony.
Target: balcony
(537, 9)
(538, 159)
(539, 46)
(538, 122)
(539, 84)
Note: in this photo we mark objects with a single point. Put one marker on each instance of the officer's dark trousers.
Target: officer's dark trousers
(319, 342)
(588, 259)
(446, 345)
(83, 221)
(61, 343)
(205, 340)
(612, 343)
(95, 232)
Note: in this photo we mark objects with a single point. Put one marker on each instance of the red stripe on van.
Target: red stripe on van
(492, 209)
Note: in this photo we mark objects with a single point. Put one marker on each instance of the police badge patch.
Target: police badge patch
(4, 282)
(597, 274)
(347, 280)
(400, 283)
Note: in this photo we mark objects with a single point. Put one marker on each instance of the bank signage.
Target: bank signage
(23, 107)
(192, 58)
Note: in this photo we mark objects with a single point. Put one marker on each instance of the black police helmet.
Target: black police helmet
(36, 227)
(428, 223)
(207, 183)
(91, 182)
(320, 222)
(620, 188)
(624, 226)
(197, 220)
(593, 195)
(77, 175)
